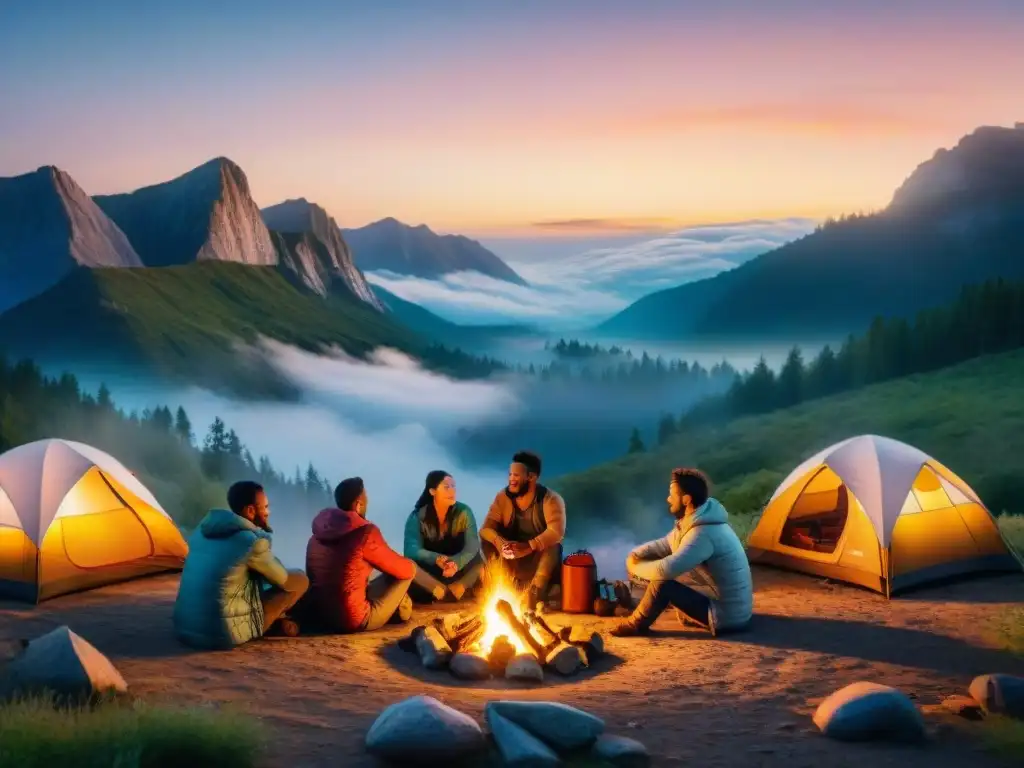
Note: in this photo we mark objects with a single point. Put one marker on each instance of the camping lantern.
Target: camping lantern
(579, 582)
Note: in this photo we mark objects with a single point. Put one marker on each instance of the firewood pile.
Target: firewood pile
(452, 642)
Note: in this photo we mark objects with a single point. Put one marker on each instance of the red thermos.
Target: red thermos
(579, 582)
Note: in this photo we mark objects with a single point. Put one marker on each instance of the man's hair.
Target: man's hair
(347, 492)
(242, 494)
(692, 483)
(528, 459)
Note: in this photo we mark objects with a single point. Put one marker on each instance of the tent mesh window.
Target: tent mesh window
(818, 517)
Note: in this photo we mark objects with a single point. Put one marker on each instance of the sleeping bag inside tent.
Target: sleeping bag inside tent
(73, 518)
(879, 513)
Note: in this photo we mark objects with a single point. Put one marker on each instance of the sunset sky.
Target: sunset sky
(511, 116)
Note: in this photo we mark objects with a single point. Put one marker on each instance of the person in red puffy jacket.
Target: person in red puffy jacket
(343, 551)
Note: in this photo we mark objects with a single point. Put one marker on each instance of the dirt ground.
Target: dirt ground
(744, 700)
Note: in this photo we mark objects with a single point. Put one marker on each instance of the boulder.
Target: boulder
(525, 667)
(621, 751)
(466, 666)
(560, 726)
(999, 694)
(423, 731)
(62, 663)
(868, 711)
(518, 748)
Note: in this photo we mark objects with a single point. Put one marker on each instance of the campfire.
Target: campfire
(502, 637)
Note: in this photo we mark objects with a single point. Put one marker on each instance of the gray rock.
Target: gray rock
(525, 667)
(621, 751)
(434, 652)
(64, 664)
(466, 666)
(423, 731)
(518, 748)
(869, 711)
(999, 694)
(560, 726)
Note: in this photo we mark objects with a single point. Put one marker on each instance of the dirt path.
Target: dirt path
(742, 701)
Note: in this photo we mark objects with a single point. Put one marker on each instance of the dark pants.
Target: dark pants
(538, 569)
(277, 600)
(659, 595)
(430, 578)
(389, 599)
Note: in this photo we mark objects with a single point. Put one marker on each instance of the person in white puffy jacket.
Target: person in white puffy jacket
(702, 541)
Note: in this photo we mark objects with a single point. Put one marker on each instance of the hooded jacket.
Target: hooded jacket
(706, 541)
(341, 555)
(229, 561)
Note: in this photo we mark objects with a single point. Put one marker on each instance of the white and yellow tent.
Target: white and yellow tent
(73, 518)
(879, 513)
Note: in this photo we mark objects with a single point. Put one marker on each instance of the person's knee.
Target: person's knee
(297, 581)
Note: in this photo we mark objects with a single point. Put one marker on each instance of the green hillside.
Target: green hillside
(916, 253)
(187, 321)
(970, 417)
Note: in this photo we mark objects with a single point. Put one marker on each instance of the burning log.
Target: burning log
(562, 657)
(566, 659)
(591, 643)
(435, 653)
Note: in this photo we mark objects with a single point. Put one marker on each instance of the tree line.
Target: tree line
(188, 474)
(984, 319)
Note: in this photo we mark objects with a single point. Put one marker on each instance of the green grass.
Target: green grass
(188, 319)
(34, 733)
(969, 417)
(1005, 737)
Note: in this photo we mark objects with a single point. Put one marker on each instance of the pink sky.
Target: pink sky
(649, 122)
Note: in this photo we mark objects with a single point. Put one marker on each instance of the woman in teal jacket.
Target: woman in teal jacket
(441, 537)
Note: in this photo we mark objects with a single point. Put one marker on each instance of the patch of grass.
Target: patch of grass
(121, 734)
(1005, 737)
(970, 417)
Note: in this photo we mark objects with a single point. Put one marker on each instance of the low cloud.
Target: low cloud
(390, 388)
(584, 288)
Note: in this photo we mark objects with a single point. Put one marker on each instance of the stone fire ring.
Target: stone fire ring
(452, 642)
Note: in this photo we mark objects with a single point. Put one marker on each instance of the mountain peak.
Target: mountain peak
(49, 226)
(418, 251)
(986, 166)
(309, 243)
(206, 213)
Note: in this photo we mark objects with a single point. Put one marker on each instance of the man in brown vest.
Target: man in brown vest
(524, 528)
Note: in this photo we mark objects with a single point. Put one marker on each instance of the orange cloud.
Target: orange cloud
(608, 224)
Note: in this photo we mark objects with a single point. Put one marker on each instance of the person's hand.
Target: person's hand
(441, 561)
(519, 549)
(449, 569)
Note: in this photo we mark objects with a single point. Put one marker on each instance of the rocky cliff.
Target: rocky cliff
(48, 227)
(310, 245)
(207, 214)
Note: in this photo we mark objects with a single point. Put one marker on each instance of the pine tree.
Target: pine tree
(103, 399)
(183, 427)
(636, 443)
(791, 379)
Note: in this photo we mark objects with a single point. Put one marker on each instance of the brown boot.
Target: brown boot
(630, 628)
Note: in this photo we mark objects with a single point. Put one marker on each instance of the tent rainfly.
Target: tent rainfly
(73, 518)
(878, 513)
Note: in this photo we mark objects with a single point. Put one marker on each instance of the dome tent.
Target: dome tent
(72, 518)
(878, 513)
